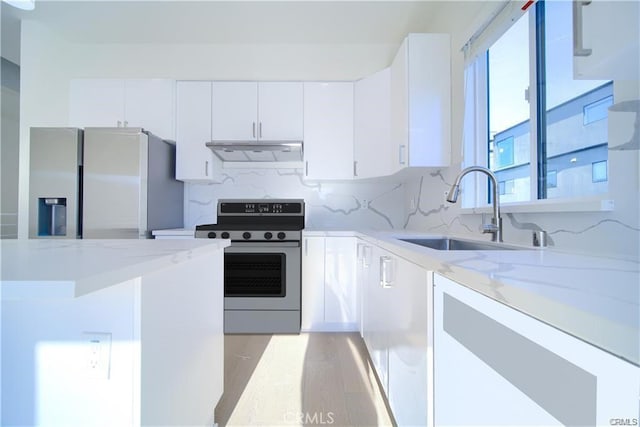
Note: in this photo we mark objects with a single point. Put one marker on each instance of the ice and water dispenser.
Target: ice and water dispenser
(52, 216)
(54, 183)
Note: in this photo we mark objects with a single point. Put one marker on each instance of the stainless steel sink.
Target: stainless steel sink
(450, 244)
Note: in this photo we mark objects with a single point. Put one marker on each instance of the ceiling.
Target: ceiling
(222, 21)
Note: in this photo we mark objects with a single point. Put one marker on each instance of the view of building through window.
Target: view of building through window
(571, 128)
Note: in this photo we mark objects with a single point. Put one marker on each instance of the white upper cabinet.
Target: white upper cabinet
(252, 111)
(328, 130)
(96, 103)
(421, 101)
(373, 152)
(146, 103)
(606, 40)
(194, 161)
(280, 107)
(235, 111)
(149, 105)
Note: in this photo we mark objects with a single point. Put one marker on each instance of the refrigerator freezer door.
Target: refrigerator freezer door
(115, 187)
(54, 183)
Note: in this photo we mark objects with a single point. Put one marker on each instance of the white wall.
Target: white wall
(615, 234)
(10, 100)
(48, 63)
(9, 147)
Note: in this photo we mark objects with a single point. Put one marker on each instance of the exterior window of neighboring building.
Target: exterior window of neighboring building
(543, 130)
(504, 153)
(599, 171)
(506, 187)
(596, 110)
(552, 179)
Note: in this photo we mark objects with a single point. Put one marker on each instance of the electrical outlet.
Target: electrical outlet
(364, 204)
(98, 354)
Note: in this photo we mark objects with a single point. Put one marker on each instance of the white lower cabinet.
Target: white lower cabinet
(374, 319)
(341, 307)
(396, 311)
(312, 283)
(410, 342)
(497, 366)
(330, 298)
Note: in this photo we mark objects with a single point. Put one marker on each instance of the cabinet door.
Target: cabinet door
(410, 341)
(340, 292)
(96, 103)
(149, 104)
(506, 368)
(280, 107)
(363, 272)
(421, 101)
(377, 311)
(607, 44)
(370, 280)
(194, 161)
(328, 130)
(373, 152)
(399, 100)
(235, 111)
(312, 283)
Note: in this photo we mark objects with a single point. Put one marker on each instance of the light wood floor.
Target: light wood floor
(306, 379)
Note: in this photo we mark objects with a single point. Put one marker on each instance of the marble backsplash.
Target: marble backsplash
(614, 234)
(414, 200)
(376, 204)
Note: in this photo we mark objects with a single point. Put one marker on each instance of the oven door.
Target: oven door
(262, 276)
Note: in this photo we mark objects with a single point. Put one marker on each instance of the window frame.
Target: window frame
(476, 149)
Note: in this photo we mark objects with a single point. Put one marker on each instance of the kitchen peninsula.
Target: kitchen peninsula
(111, 332)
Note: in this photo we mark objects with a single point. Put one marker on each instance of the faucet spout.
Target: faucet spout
(495, 228)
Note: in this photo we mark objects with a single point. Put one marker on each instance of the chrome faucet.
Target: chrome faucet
(495, 228)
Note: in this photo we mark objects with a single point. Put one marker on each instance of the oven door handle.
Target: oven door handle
(281, 244)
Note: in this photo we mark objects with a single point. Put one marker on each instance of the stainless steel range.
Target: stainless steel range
(262, 267)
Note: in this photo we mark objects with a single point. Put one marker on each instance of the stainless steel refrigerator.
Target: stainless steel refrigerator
(102, 183)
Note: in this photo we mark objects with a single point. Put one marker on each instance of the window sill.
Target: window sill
(591, 204)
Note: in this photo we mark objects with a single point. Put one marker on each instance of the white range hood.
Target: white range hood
(257, 151)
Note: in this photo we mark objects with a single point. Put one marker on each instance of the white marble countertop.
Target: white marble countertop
(595, 299)
(40, 268)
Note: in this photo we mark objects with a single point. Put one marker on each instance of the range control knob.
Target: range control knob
(246, 235)
(224, 235)
(268, 235)
(211, 234)
(281, 235)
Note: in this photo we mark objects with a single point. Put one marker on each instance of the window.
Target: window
(544, 132)
(503, 153)
(552, 179)
(599, 171)
(596, 110)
